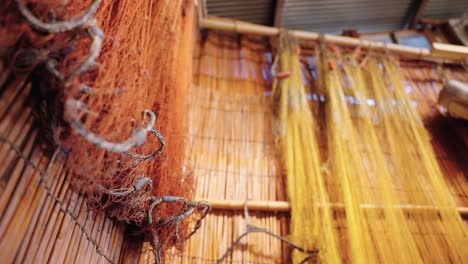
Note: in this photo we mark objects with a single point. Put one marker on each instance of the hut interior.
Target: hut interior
(212, 131)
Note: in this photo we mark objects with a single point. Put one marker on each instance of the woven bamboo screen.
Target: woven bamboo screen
(234, 156)
(232, 148)
(42, 218)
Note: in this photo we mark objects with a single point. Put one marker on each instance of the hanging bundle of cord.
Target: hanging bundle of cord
(414, 138)
(311, 214)
(383, 168)
(108, 85)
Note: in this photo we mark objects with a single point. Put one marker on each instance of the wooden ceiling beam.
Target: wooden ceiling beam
(278, 19)
(415, 13)
(441, 52)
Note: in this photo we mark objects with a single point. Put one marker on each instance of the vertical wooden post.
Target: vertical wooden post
(278, 19)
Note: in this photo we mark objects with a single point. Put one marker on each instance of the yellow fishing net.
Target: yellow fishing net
(380, 197)
(311, 215)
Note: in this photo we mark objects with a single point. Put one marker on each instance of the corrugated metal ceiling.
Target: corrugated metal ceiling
(444, 9)
(332, 16)
(255, 11)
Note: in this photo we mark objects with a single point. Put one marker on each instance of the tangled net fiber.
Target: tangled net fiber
(111, 78)
(379, 194)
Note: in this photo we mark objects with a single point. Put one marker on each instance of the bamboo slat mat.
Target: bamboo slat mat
(234, 134)
(233, 154)
(41, 218)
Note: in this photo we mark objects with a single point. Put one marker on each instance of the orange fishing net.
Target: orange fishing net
(111, 80)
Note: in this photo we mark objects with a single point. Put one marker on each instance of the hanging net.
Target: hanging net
(311, 215)
(111, 81)
(380, 195)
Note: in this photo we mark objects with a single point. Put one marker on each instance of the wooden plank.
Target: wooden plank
(449, 50)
